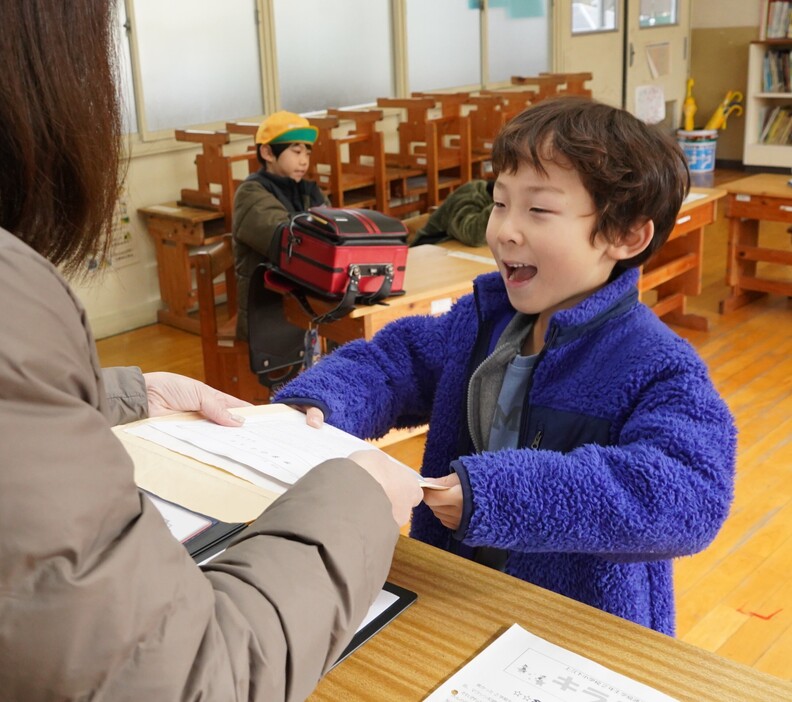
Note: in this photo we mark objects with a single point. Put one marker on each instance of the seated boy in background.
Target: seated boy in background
(582, 441)
(271, 197)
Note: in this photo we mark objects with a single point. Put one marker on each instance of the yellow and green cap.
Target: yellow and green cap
(286, 128)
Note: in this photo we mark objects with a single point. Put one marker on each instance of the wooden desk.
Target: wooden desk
(763, 197)
(176, 231)
(674, 272)
(462, 607)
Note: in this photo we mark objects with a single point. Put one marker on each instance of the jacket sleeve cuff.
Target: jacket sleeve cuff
(467, 500)
(305, 402)
(125, 389)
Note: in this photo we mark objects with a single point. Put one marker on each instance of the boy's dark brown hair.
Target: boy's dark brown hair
(632, 171)
(60, 138)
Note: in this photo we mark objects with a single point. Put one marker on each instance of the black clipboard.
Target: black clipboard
(212, 540)
(404, 599)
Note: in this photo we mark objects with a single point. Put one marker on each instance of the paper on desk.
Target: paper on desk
(280, 446)
(521, 666)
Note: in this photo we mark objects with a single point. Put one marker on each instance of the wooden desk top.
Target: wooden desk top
(710, 195)
(462, 607)
(766, 184)
(173, 210)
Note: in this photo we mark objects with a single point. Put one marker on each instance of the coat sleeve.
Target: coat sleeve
(97, 599)
(368, 387)
(257, 214)
(125, 390)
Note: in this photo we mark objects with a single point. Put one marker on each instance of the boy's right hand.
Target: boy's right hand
(314, 417)
(400, 485)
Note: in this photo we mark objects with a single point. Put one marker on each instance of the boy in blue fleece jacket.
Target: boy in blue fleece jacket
(582, 442)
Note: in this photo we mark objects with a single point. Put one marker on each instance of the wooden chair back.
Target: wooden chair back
(487, 117)
(214, 169)
(449, 156)
(550, 84)
(450, 104)
(349, 168)
(226, 358)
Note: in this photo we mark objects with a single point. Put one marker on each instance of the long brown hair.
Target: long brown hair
(59, 126)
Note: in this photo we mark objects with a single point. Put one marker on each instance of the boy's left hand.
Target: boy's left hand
(446, 504)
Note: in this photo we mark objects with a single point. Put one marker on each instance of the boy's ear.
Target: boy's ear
(265, 151)
(633, 241)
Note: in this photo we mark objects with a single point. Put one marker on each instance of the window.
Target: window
(517, 38)
(593, 16)
(124, 71)
(333, 53)
(443, 44)
(657, 13)
(199, 61)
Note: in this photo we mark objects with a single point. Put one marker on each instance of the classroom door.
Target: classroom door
(656, 57)
(589, 37)
(636, 50)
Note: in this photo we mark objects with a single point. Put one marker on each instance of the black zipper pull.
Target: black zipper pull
(537, 439)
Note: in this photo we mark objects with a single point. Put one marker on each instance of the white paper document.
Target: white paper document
(269, 450)
(522, 667)
(281, 446)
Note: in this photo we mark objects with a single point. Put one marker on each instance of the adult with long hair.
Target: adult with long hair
(97, 599)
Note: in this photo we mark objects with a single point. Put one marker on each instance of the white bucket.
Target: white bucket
(699, 146)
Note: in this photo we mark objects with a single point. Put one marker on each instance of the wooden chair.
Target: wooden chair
(216, 183)
(487, 117)
(336, 166)
(440, 145)
(550, 84)
(449, 104)
(226, 358)
(574, 83)
(513, 101)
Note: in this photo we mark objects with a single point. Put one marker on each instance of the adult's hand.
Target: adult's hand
(399, 482)
(169, 393)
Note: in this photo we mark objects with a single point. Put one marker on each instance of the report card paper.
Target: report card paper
(521, 667)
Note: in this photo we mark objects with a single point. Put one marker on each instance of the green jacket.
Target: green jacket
(463, 215)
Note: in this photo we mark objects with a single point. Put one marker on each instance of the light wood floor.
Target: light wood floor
(734, 598)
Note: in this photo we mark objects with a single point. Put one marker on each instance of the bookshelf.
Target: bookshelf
(768, 99)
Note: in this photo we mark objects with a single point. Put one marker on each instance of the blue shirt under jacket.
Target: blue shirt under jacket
(625, 456)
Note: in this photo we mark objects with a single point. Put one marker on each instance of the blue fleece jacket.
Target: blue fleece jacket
(626, 455)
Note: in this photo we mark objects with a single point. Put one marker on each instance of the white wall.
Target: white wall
(123, 299)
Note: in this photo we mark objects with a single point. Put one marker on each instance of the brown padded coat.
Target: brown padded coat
(97, 600)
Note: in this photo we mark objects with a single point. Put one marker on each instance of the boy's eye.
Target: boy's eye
(539, 210)
(498, 204)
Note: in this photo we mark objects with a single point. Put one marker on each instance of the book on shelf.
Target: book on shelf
(775, 71)
(777, 128)
(777, 20)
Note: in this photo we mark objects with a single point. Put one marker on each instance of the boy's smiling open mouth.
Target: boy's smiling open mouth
(519, 272)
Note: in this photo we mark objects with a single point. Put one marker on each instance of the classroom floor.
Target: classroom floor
(734, 598)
